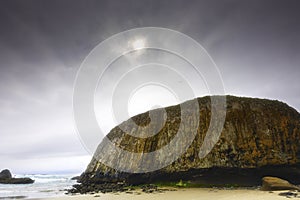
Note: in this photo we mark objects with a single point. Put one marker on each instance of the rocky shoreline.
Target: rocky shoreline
(205, 178)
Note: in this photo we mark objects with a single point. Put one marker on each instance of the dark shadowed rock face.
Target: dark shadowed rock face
(257, 134)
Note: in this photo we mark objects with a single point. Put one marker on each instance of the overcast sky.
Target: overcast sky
(255, 44)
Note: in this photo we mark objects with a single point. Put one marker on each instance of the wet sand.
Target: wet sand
(179, 194)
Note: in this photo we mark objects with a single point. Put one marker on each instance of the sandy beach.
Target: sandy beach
(179, 194)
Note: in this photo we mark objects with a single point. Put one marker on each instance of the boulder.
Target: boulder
(260, 137)
(275, 183)
(5, 174)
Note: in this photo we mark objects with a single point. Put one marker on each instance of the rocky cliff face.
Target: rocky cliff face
(257, 133)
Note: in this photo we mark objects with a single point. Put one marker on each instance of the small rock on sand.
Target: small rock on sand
(274, 183)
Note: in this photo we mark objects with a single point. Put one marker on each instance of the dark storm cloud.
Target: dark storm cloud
(255, 44)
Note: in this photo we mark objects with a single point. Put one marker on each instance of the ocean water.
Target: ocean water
(44, 186)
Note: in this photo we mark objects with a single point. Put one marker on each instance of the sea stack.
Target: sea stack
(259, 138)
(6, 178)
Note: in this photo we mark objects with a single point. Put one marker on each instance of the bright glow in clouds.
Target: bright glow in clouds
(138, 44)
(150, 97)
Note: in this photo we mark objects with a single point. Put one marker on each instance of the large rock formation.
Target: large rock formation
(260, 137)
